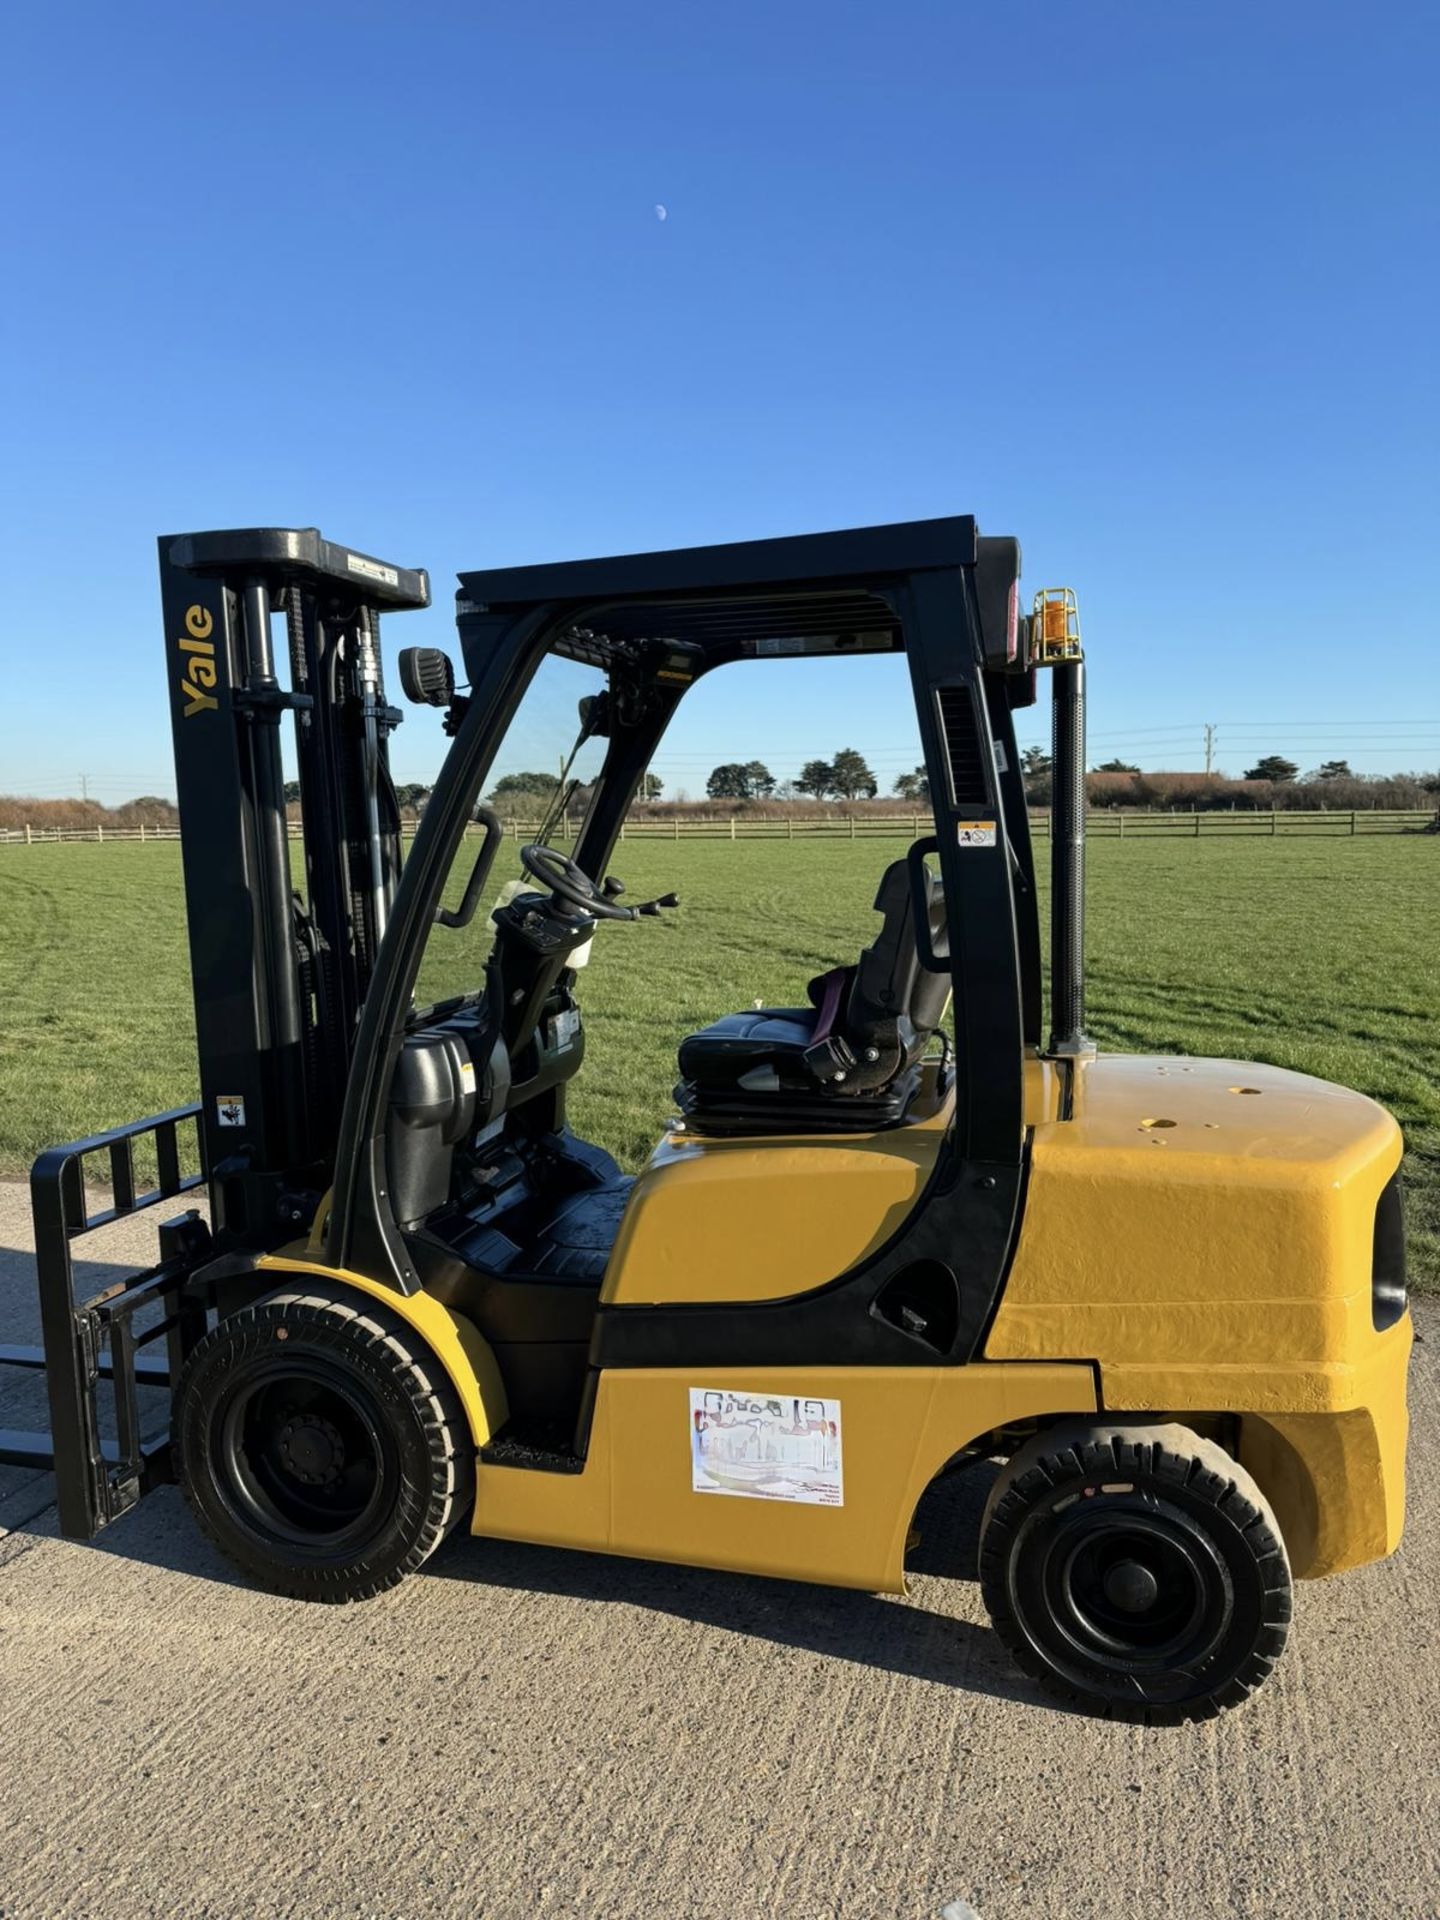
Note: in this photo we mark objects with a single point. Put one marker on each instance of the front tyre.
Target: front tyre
(320, 1445)
(1136, 1572)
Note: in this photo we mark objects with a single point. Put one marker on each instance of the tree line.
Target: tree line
(1272, 782)
(846, 777)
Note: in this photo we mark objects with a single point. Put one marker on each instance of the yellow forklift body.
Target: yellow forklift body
(636, 1494)
(1204, 1231)
(720, 1218)
(1174, 1227)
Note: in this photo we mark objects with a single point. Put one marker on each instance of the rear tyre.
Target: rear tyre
(320, 1445)
(1135, 1572)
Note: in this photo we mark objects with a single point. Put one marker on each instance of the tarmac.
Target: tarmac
(519, 1731)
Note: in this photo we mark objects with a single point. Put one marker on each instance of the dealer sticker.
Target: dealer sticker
(765, 1446)
(229, 1110)
(976, 833)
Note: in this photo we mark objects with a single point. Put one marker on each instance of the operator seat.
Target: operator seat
(848, 1062)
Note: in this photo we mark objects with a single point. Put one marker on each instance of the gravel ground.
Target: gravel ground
(521, 1731)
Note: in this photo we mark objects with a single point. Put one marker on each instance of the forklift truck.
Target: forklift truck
(877, 1241)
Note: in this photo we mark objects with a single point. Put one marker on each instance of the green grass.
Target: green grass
(1318, 954)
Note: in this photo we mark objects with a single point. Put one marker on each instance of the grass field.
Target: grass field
(1317, 954)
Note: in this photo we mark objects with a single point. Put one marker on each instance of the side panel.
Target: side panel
(898, 1427)
(733, 1220)
(1337, 1480)
(465, 1356)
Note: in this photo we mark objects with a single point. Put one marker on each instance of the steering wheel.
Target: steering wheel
(569, 883)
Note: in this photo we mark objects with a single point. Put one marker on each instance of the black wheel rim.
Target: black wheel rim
(303, 1458)
(1130, 1589)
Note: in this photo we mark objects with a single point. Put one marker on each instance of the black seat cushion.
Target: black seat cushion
(760, 1051)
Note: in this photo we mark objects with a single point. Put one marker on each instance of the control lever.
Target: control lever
(652, 907)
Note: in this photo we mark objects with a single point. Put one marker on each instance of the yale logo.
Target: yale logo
(197, 668)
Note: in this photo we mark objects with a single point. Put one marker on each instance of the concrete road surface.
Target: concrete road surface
(523, 1732)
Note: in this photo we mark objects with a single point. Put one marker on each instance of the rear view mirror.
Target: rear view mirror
(427, 676)
(595, 716)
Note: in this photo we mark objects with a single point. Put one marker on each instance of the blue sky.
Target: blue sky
(1152, 287)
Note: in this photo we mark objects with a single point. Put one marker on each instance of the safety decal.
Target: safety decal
(371, 569)
(976, 833)
(229, 1110)
(763, 1446)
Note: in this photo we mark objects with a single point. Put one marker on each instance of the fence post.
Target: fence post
(1273, 817)
(1197, 823)
(789, 826)
(732, 826)
(1120, 821)
(852, 826)
(99, 833)
(1352, 823)
(27, 833)
(677, 826)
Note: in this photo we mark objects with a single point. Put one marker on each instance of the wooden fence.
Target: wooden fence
(1102, 823)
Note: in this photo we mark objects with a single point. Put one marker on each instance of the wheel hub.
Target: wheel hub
(311, 1448)
(1131, 1587)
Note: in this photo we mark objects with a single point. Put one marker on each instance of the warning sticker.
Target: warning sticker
(976, 833)
(229, 1110)
(372, 569)
(763, 1446)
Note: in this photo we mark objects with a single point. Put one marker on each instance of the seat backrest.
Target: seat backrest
(890, 986)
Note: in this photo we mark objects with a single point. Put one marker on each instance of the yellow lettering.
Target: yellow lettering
(199, 622)
(199, 702)
(197, 646)
(202, 673)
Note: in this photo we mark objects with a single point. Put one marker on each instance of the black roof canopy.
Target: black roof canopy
(811, 593)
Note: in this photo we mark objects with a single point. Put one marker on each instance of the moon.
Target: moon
(661, 213)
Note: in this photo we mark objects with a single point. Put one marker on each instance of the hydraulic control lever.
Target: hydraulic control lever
(654, 906)
(611, 890)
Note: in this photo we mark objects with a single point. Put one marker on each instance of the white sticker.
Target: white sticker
(467, 1076)
(1002, 764)
(976, 833)
(764, 1446)
(229, 1110)
(372, 569)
